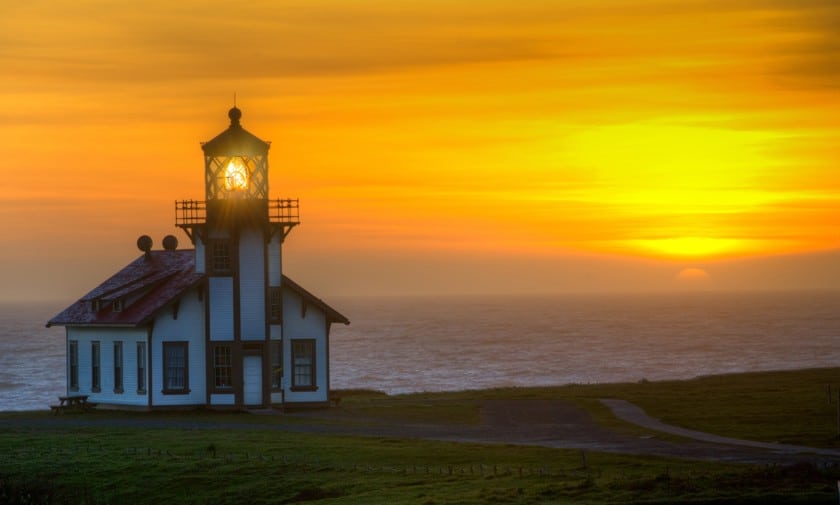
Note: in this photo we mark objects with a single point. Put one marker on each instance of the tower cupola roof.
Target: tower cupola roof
(235, 141)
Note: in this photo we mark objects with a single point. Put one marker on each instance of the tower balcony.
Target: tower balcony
(277, 215)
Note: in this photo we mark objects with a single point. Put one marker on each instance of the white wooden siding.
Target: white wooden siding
(199, 254)
(252, 285)
(313, 326)
(276, 333)
(275, 261)
(221, 308)
(222, 399)
(189, 327)
(106, 337)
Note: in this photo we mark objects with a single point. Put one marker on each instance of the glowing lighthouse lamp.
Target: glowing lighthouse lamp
(236, 176)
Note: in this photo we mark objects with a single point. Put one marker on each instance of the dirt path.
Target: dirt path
(563, 424)
(631, 413)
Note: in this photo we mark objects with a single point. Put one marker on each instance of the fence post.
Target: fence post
(838, 412)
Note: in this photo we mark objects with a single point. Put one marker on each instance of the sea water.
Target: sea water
(409, 344)
(406, 345)
(32, 357)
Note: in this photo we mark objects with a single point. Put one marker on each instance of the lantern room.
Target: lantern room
(236, 191)
(236, 163)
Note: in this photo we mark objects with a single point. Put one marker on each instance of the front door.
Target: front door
(252, 380)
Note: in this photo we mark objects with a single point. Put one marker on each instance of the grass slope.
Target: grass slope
(41, 462)
(789, 407)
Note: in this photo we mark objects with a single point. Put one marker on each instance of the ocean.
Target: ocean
(411, 344)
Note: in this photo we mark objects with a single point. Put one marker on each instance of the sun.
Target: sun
(693, 277)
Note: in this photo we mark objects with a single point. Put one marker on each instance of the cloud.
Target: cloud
(810, 57)
(171, 42)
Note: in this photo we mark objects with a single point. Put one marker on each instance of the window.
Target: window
(276, 365)
(303, 365)
(175, 368)
(94, 366)
(141, 367)
(118, 305)
(275, 312)
(222, 367)
(118, 367)
(73, 357)
(221, 260)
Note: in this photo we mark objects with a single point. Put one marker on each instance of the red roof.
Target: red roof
(151, 284)
(155, 281)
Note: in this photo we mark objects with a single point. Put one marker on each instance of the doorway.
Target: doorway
(252, 380)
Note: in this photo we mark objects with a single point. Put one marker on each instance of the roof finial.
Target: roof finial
(234, 114)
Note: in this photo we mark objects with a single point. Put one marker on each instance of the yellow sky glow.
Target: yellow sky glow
(700, 130)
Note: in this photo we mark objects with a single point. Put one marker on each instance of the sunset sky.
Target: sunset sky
(436, 146)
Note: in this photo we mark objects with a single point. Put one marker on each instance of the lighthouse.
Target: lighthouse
(223, 326)
(238, 233)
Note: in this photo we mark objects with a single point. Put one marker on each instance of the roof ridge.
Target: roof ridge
(104, 294)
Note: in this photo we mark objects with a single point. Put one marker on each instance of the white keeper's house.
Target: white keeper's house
(218, 325)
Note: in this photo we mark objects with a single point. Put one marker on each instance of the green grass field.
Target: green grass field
(41, 462)
(789, 407)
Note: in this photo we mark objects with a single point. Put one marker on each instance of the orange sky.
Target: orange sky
(435, 145)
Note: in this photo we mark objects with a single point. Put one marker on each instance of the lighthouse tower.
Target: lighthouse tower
(238, 233)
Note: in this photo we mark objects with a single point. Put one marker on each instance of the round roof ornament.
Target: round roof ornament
(170, 242)
(144, 243)
(234, 114)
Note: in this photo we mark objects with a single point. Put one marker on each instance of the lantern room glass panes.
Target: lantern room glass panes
(232, 177)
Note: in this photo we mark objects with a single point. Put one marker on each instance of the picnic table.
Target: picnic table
(77, 403)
